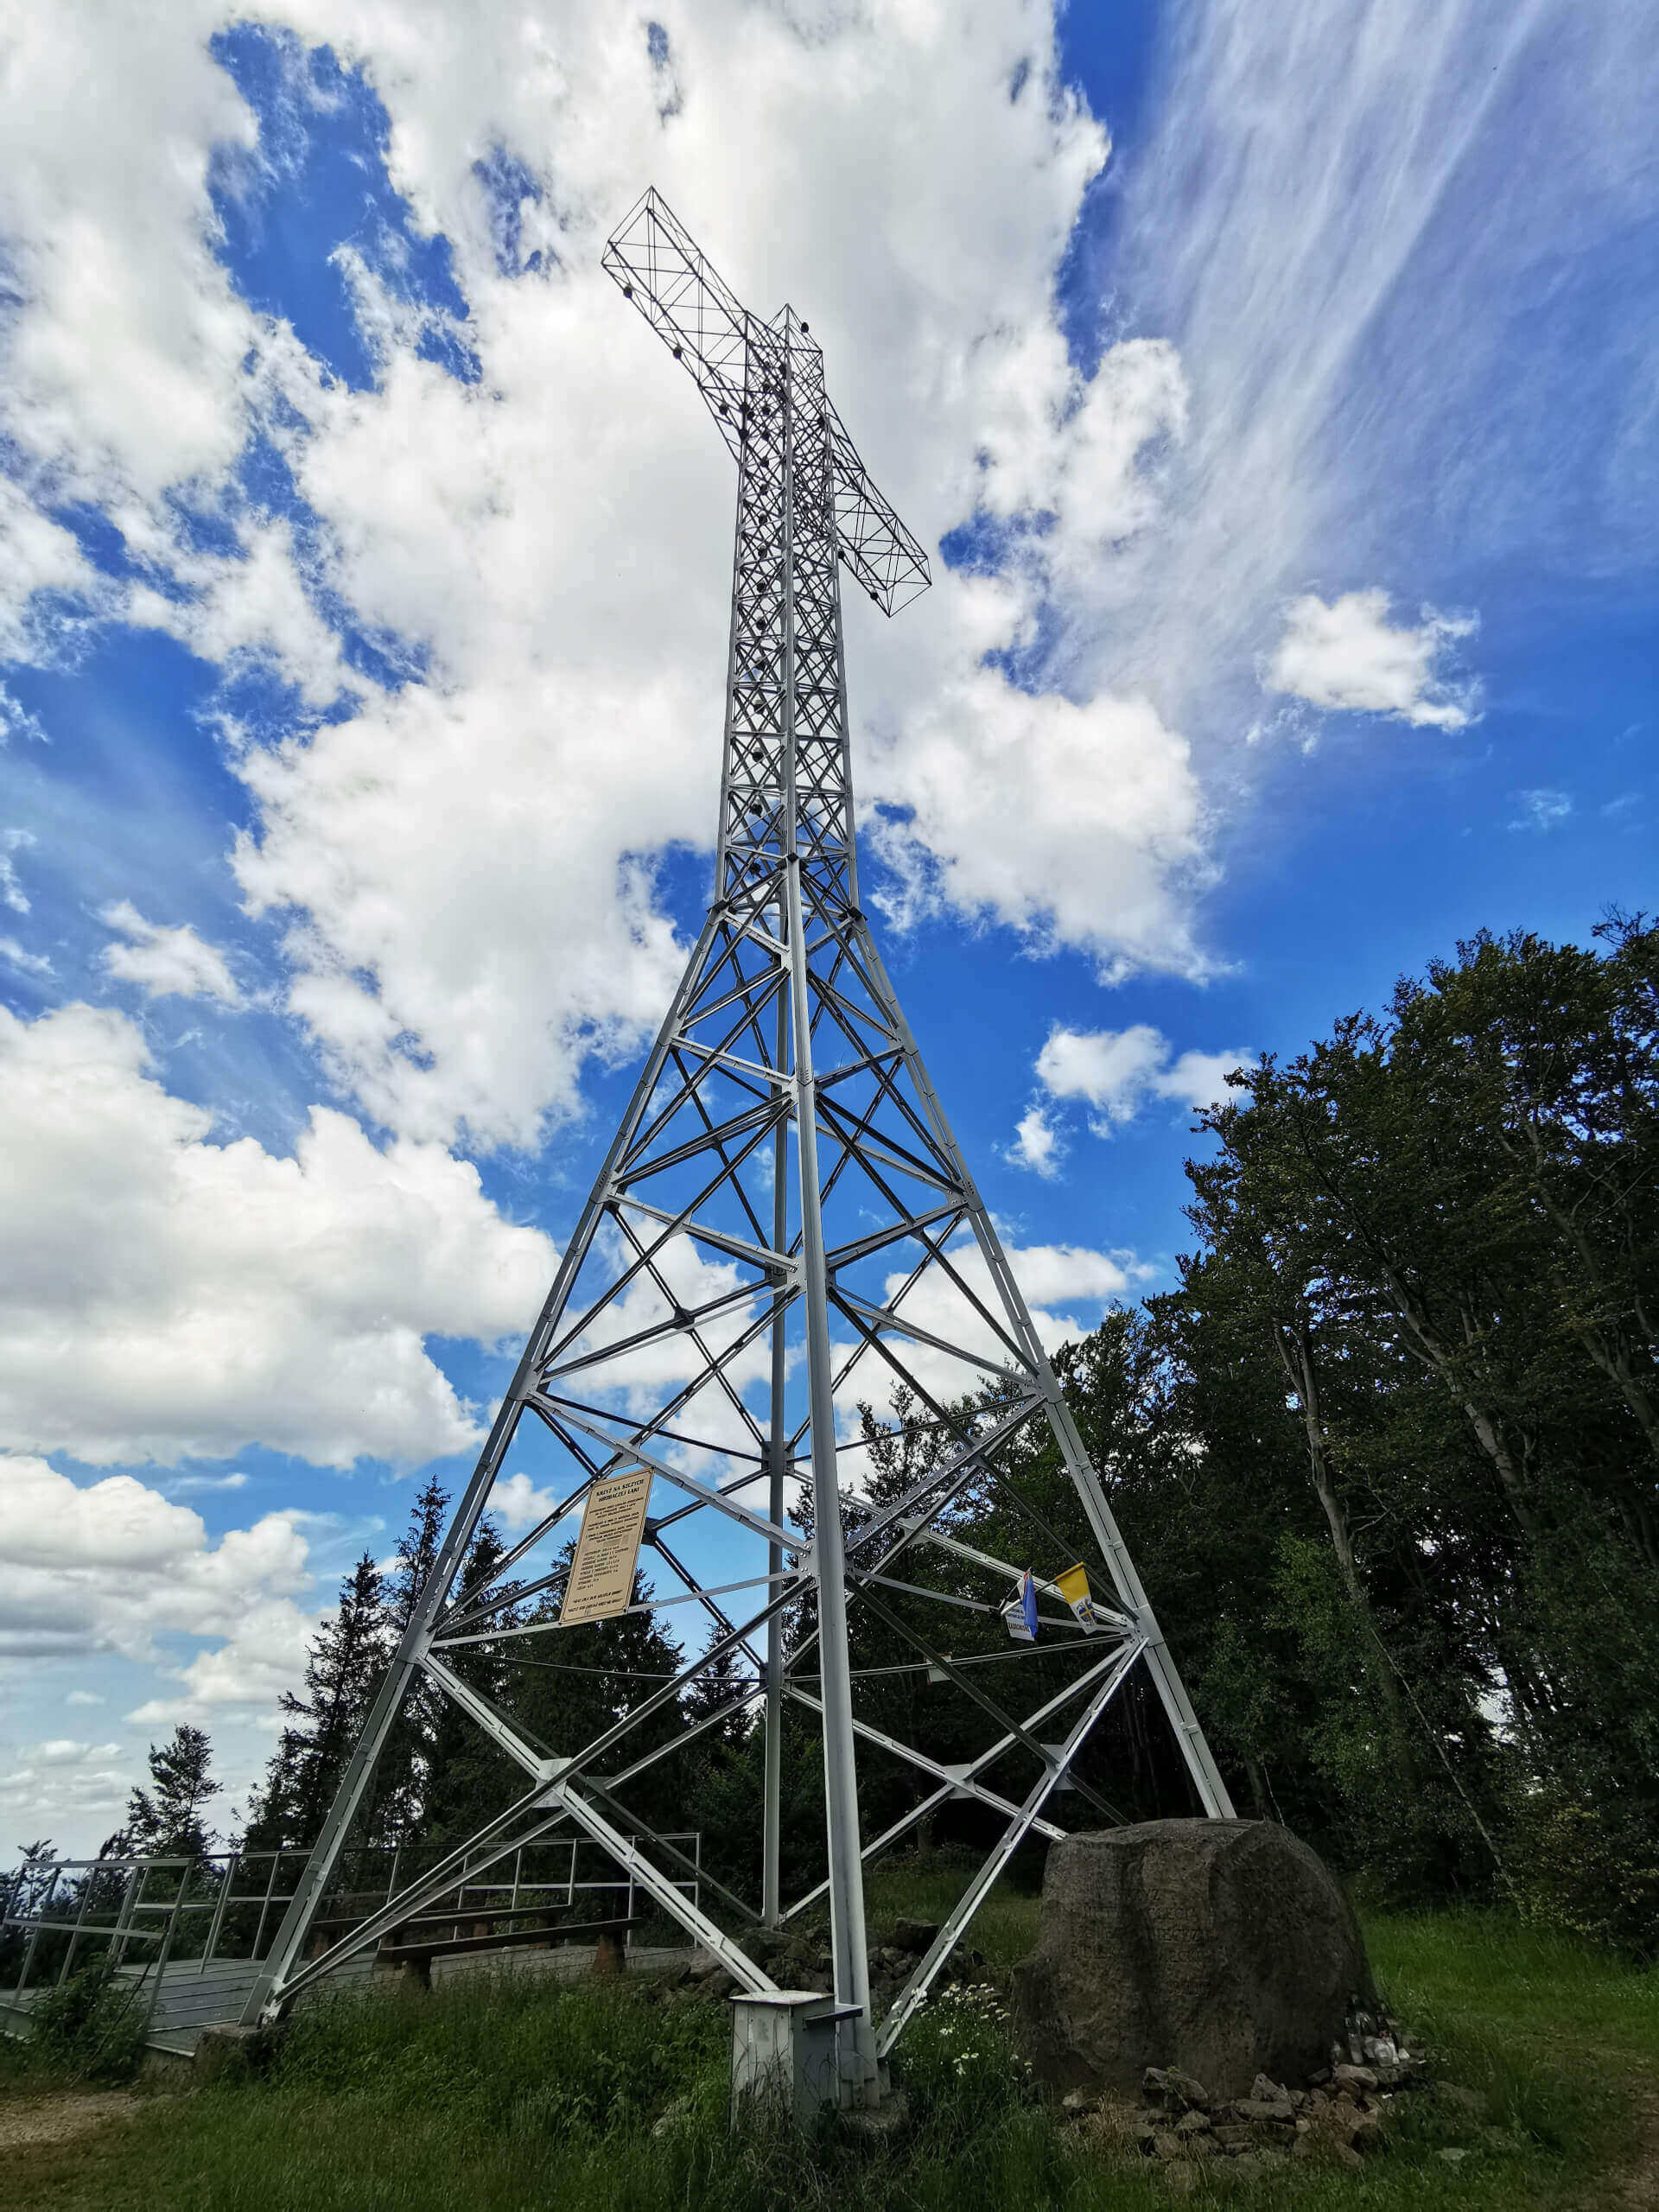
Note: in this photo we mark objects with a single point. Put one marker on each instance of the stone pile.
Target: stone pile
(1183, 2126)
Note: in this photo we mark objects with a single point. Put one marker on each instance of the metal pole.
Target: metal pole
(123, 1918)
(74, 1937)
(212, 1944)
(166, 1954)
(772, 1903)
(859, 2072)
(1189, 1734)
(264, 1906)
(34, 1942)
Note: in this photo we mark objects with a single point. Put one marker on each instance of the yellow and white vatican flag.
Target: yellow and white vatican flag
(1073, 1586)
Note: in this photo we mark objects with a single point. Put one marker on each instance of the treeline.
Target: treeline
(1387, 1460)
(1389, 1457)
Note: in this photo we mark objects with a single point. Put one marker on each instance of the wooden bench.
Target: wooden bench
(610, 1941)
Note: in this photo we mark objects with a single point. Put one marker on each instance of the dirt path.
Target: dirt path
(58, 2116)
(1638, 2185)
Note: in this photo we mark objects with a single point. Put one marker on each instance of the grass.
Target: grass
(1004, 1928)
(496, 2094)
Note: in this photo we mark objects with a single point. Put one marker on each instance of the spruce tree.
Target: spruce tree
(342, 1672)
(469, 1777)
(716, 1690)
(166, 1820)
(403, 1776)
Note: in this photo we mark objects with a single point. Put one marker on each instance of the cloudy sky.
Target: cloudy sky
(1278, 386)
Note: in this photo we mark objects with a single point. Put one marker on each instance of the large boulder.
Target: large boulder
(1223, 1948)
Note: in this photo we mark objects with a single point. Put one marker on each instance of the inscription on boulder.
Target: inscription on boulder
(1226, 1948)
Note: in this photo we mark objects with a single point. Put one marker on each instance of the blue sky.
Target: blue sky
(364, 633)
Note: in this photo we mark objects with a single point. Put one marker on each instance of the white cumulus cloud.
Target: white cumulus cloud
(113, 1566)
(44, 1784)
(166, 962)
(558, 560)
(29, 963)
(1037, 1143)
(1083, 823)
(1347, 656)
(166, 1296)
(1117, 1073)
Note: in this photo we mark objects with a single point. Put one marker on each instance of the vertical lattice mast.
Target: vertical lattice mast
(783, 1226)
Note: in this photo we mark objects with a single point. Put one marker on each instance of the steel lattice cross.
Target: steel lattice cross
(784, 1226)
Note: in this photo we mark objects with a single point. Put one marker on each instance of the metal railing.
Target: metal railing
(160, 1915)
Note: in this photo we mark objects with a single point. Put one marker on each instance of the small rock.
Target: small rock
(1454, 2157)
(1354, 2077)
(1193, 2123)
(915, 1935)
(1258, 2109)
(1203, 2145)
(1167, 2144)
(1344, 2123)
(1179, 2091)
(1270, 2091)
(1233, 2136)
(1076, 2100)
(1184, 2176)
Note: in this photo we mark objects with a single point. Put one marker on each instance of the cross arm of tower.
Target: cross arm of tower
(882, 553)
(661, 268)
(687, 302)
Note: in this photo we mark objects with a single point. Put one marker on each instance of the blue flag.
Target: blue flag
(1028, 1602)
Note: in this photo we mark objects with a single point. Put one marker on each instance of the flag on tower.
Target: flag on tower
(1073, 1586)
(1028, 1603)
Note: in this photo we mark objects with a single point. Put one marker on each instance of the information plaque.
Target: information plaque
(612, 1522)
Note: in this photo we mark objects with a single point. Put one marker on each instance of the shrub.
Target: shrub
(90, 2026)
(1586, 1869)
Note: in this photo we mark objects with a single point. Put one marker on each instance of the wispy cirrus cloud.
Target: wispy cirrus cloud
(1375, 238)
(1542, 810)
